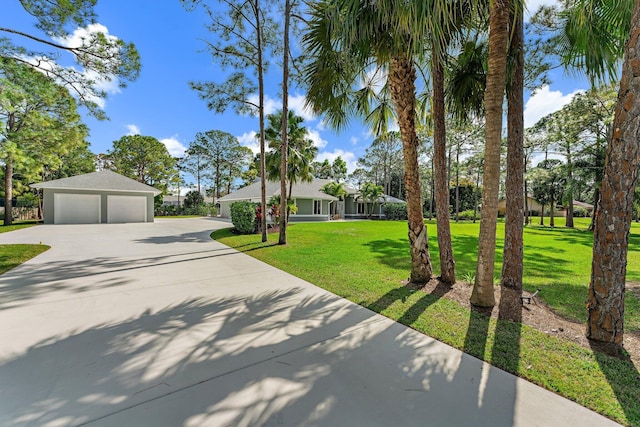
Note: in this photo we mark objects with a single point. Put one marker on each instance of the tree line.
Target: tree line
(434, 62)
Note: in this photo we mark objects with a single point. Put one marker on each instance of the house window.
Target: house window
(317, 207)
(360, 208)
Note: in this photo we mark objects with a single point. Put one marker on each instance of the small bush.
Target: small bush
(468, 215)
(394, 211)
(243, 217)
(580, 212)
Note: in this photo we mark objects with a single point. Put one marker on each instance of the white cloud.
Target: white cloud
(354, 140)
(314, 136)
(133, 130)
(250, 140)
(297, 104)
(347, 156)
(80, 35)
(175, 147)
(321, 125)
(545, 102)
(270, 105)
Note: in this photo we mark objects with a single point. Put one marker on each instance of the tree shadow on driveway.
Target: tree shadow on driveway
(43, 279)
(288, 357)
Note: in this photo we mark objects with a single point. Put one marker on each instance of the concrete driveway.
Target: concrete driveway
(157, 325)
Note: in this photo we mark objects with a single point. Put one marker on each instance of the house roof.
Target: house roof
(390, 199)
(104, 180)
(300, 190)
(582, 204)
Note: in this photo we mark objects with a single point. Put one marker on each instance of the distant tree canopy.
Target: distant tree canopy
(217, 157)
(193, 199)
(326, 170)
(39, 124)
(144, 159)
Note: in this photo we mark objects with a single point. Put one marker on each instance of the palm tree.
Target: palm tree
(482, 294)
(335, 189)
(370, 194)
(513, 254)
(300, 151)
(605, 321)
(346, 38)
(447, 262)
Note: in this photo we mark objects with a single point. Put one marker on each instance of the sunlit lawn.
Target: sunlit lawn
(16, 225)
(366, 262)
(13, 255)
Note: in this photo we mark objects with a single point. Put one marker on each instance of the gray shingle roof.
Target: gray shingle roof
(104, 180)
(301, 190)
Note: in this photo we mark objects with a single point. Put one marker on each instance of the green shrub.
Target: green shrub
(394, 211)
(579, 212)
(468, 215)
(193, 199)
(243, 217)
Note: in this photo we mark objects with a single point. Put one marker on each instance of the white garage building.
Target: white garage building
(98, 197)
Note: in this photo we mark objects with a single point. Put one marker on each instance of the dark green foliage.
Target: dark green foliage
(203, 209)
(467, 197)
(193, 199)
(395, 211)
(144, 159)
(469, 215)
(243, 217)
(580, 212)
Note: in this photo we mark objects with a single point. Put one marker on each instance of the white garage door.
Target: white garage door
(126, 209)
(76, 208)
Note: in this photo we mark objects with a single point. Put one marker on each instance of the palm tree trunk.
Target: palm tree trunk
(447, 262)
(8, 190)
(605, 321)
(482, 294)
(402, 76)
(457, 183)
(512, 267)
(282, 238)
(552, 215)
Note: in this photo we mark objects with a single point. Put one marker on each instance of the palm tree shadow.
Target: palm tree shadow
(413, 312)
(506, 345)
(623, 378)
(289, 356)
(391, 252)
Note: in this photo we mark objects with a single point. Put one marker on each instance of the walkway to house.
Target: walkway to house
(157, 325)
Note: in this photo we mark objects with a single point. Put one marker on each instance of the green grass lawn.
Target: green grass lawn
(13, 255)
(16, 226)
(366, 261)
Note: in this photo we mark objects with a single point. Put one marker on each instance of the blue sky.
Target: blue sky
(161, 104)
